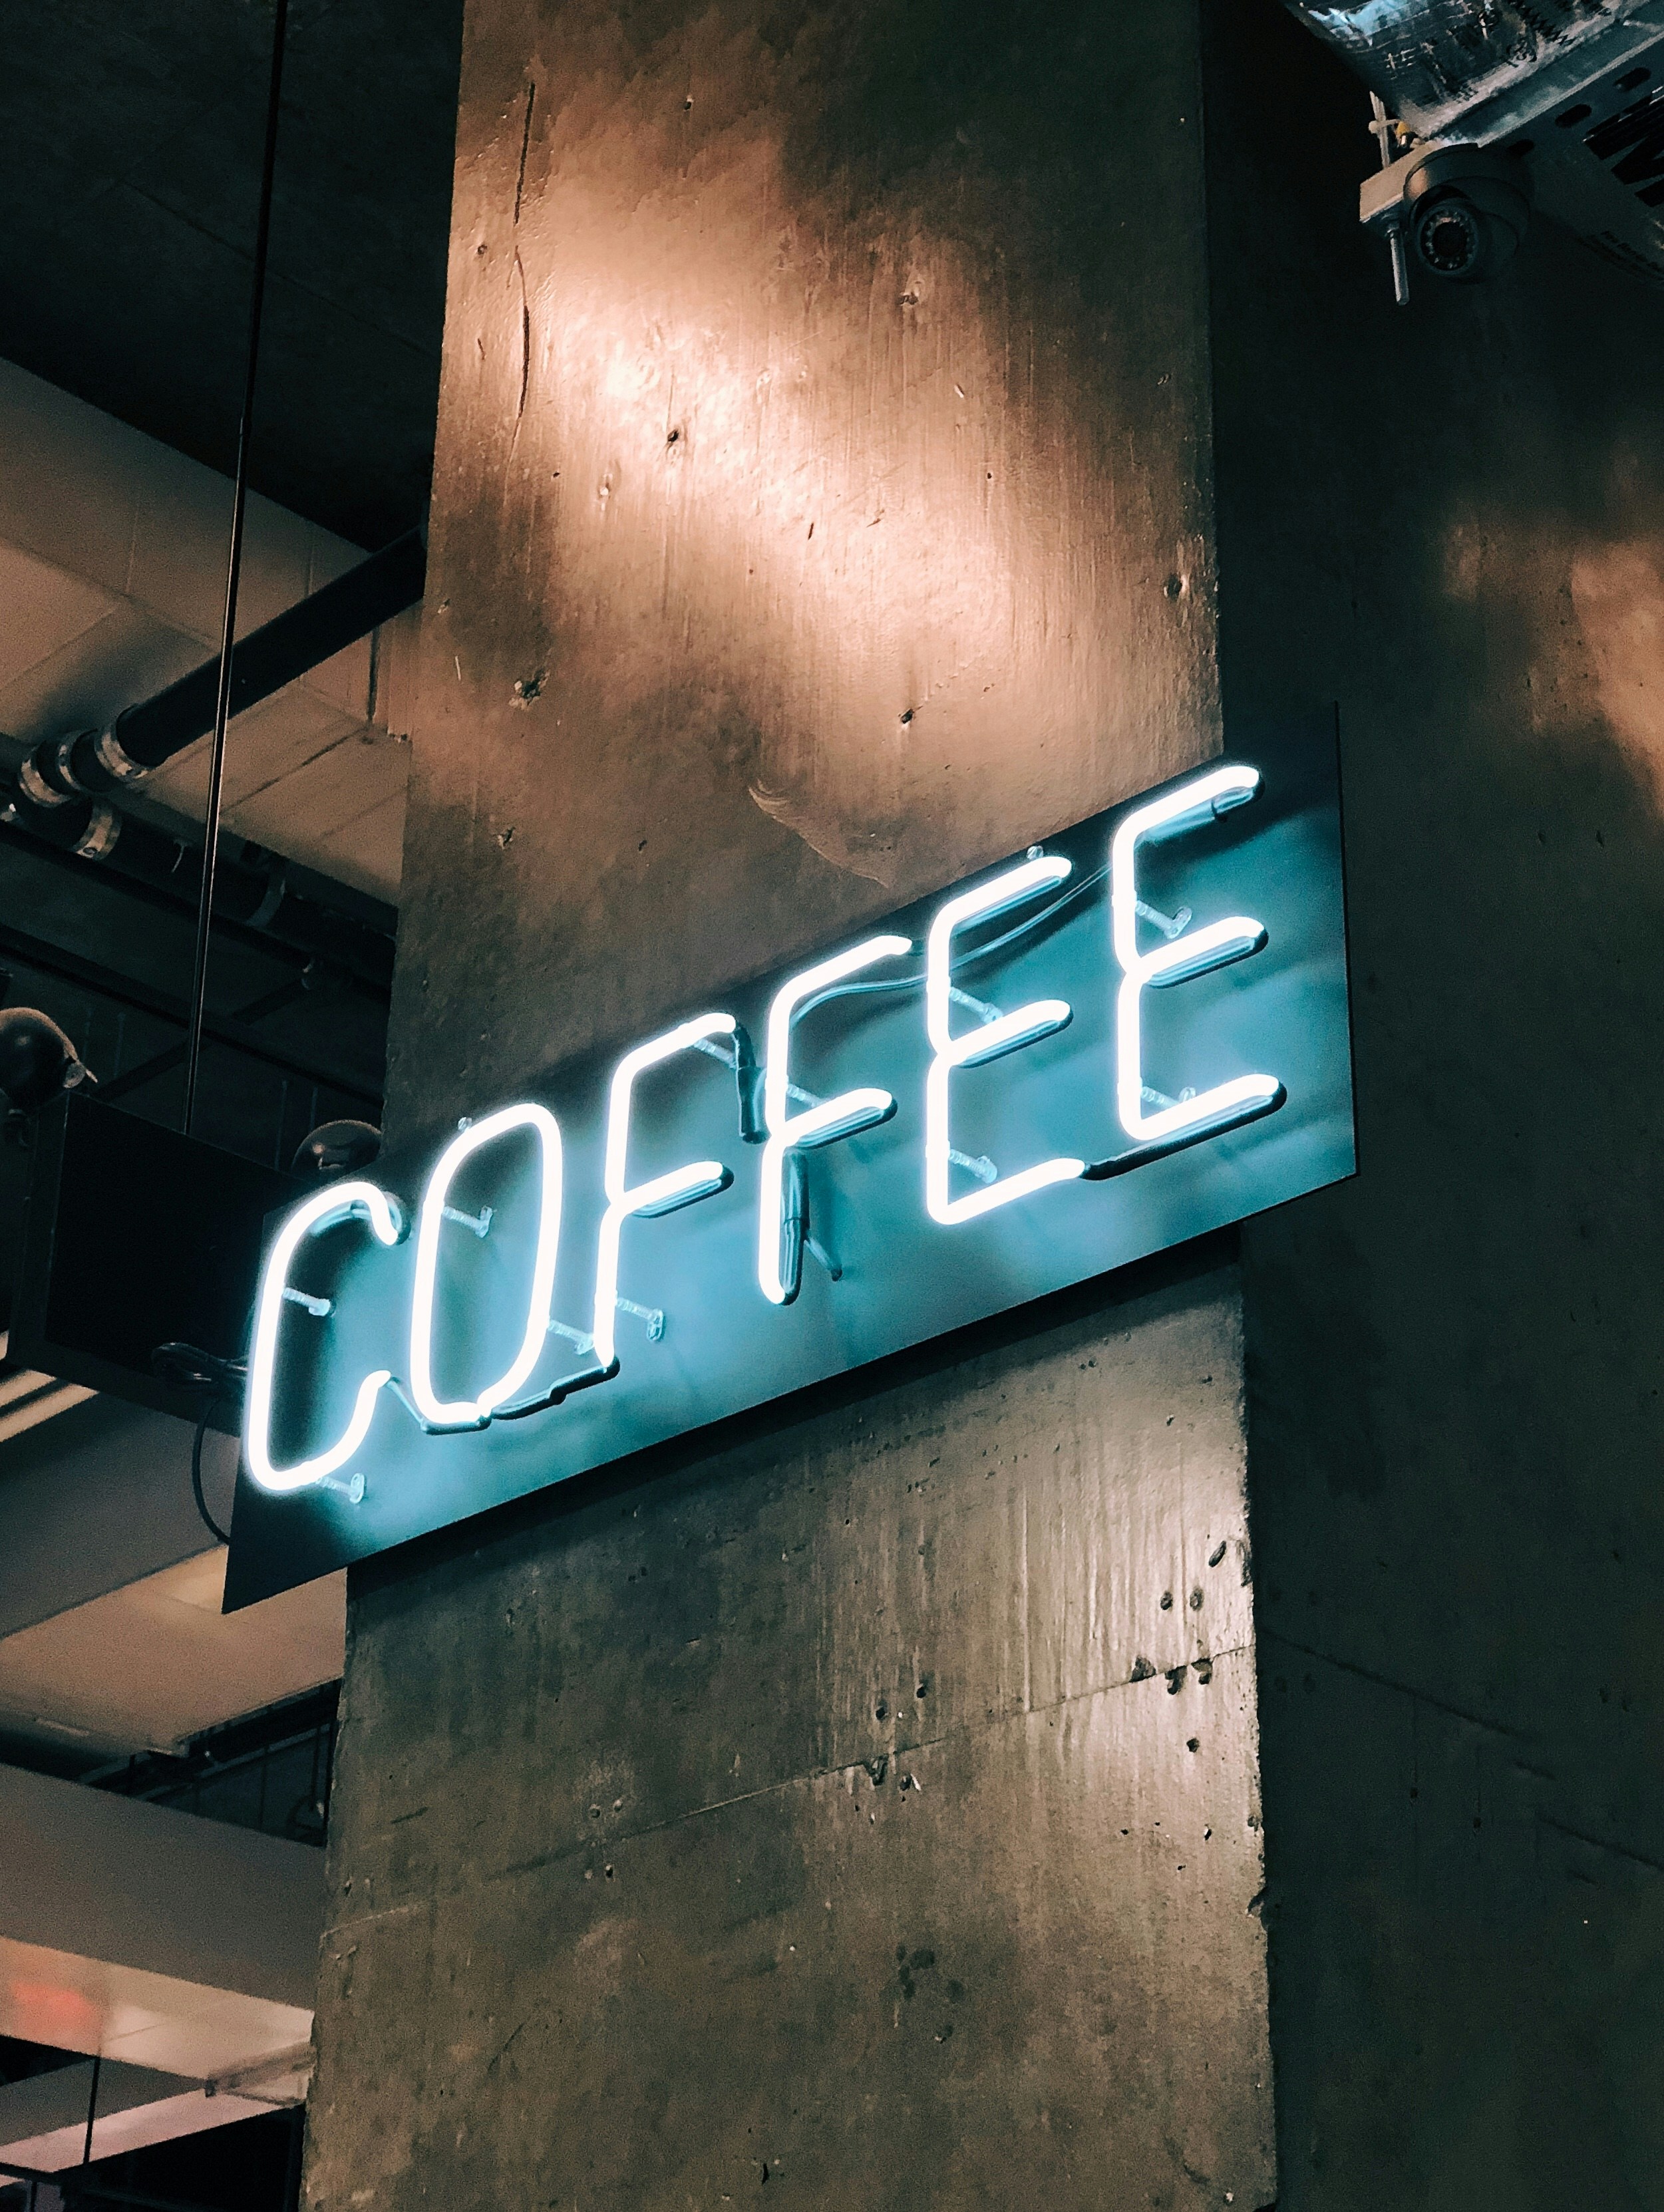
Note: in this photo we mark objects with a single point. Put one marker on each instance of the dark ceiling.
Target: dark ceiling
(131, 136)
(131, 141)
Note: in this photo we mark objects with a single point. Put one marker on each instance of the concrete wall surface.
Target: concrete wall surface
(822, 510)
(1449, 520)
(867, 1812)
(822, 503)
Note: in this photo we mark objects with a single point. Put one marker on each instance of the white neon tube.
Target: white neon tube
(842, 1116)
(475, 1412)
(1007, 1033)
(665, 1194)
(1202, 799)
(333, 1204)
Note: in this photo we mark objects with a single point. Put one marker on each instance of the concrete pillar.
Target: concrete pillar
(864, 1802)
(1446, 519)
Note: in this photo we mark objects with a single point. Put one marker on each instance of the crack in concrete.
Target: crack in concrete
(805, 1779)
(1387, 1682)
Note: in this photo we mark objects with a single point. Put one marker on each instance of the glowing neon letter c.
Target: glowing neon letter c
(322, 1210)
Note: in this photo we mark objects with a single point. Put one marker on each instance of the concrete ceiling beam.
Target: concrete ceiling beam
(132, 1933)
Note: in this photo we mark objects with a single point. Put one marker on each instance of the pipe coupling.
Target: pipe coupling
(114, 759)
(35, 787)
(98, 840)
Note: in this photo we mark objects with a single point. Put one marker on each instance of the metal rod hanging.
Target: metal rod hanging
(234, 573)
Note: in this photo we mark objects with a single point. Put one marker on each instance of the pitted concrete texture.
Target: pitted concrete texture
(1448, 519)
(823, 510)
(868, 1811)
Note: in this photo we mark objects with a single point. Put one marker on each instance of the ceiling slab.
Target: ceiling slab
(157, 2020)
(46, 609)
(112, 553)
(43, 2121)
(130, 136)
(150, 1937)
(154, 1663)
(120, 1476)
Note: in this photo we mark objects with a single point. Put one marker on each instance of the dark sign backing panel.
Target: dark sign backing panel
(697, 1339)
(136, 1235)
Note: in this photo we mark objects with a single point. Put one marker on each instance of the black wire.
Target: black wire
(963, 960)
(234, 571)
(92, 2109)
(196, 1477)
(192, 1369)
(296, 2142)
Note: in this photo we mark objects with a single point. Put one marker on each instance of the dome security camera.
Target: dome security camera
(1467, 210)
(38, 1059)
(337, 1148)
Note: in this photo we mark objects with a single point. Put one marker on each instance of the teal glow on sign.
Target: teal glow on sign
(1098, 1049)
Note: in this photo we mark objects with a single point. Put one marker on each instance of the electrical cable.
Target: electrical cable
(968, 959)
(215, 1382)
(92, 2109)
(197, 1476)
(233, 572)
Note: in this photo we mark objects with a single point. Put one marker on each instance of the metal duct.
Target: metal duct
(1434, 62)
(1570, 90)
(301, 638)
(258, 895)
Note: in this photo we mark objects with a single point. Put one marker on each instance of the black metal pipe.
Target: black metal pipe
(290, 645)
(61, 797)
(120, 990)
(95, 764)
(233, 573)
(269, 903)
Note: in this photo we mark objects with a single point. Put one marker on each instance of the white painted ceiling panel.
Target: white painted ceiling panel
(68, 479)
(125, 655)
(369, 849)
(157, 2020)
(148, 1665)
(113, 550)
(42, 609)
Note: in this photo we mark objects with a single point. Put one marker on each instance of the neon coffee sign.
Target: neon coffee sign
(1109, 1043)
